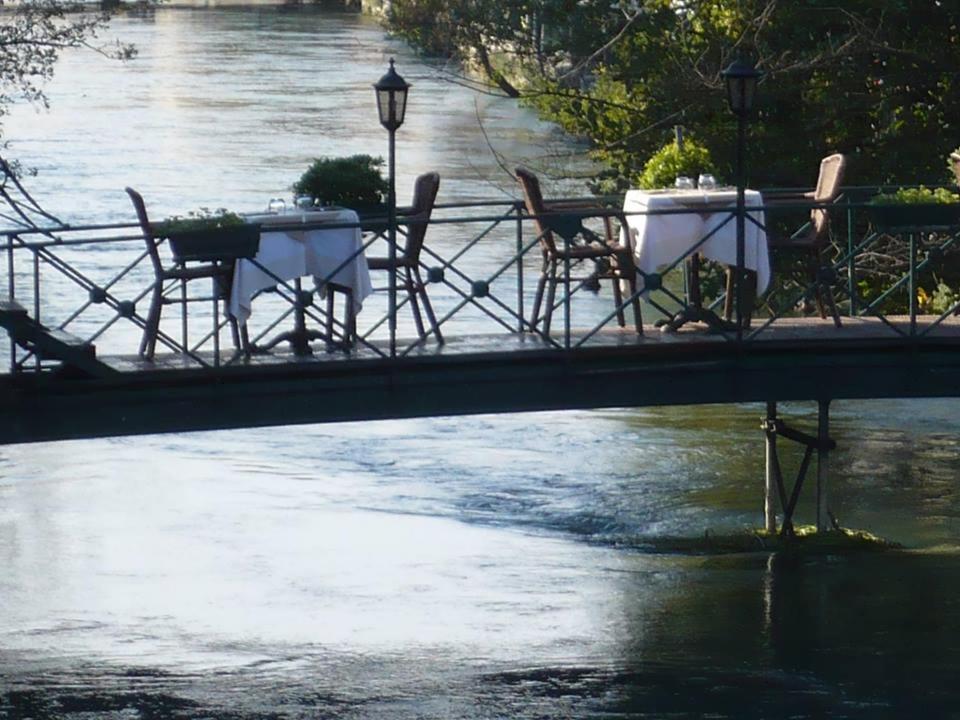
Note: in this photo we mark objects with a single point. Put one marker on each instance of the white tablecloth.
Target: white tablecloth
(288, 253)
(658, 240)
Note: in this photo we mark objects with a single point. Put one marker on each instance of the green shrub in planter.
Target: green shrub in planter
(668, 162)
(208, 235)
(915, 207)
(202, 219)
(353, 182)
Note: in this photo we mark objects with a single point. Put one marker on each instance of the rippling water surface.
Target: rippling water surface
(448, 567)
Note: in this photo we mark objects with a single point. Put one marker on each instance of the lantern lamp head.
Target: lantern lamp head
(391, 98)
(741, 79)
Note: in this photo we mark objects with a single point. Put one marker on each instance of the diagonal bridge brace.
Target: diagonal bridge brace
(773, 427)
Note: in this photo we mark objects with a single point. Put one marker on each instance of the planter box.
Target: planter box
(211, 244)
(895, 218)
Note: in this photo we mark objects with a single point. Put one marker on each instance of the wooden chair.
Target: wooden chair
(407, 266)
(614, 261)
(221, 275)
(813, 239)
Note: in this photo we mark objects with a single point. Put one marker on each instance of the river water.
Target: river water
(473, 567)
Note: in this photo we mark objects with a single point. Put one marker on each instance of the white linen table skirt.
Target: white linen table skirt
(289, 253)
(658, 240)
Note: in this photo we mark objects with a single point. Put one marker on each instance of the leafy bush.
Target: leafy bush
(202, 219)
(668, 162)
(916, 196)
(353, 181)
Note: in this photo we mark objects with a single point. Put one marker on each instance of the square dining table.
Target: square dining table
(660, 240)
(295, 244)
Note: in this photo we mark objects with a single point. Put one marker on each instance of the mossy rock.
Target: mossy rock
(804, 541)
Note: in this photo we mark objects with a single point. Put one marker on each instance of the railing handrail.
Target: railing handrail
(470, 288)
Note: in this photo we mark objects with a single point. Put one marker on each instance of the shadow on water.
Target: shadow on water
(726, 637)
(858, 637)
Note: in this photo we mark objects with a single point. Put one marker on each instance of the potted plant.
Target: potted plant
(671, 161)
(210, 235)
(354, 182)
(919, 207)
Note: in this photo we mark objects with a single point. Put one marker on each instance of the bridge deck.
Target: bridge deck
(803, 359)
(797, 333)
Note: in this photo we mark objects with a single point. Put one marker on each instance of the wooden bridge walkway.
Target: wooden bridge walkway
(793, 359)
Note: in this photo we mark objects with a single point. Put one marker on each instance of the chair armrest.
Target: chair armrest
(787, 198)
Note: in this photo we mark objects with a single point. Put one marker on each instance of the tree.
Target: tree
(876, 79)
(33, 34)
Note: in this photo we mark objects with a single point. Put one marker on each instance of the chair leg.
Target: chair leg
(427, 307)
(618, 299)
(328, 324)
(151, 328)
(349, 322)
(350, 319)
(411, 290)
(245, 340)
(813, 266)
(728, 306)
(551, 297)
(635, 302)
(235, 332)
(749, 298)
(823, 289)
(538, 296)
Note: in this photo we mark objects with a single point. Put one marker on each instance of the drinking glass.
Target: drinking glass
(684, 183)
(707, 182)
(277, 205)
(304, 202)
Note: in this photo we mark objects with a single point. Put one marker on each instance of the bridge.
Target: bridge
(74, 315)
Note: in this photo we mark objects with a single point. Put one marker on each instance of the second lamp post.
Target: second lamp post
(741, 80)
(392, 105)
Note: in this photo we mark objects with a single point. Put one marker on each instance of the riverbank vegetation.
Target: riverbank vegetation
(874, 80)
(805, 540)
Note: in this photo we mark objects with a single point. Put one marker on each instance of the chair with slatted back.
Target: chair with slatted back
(220, 273)
(564, 220)
(813, 239)
(415, 219)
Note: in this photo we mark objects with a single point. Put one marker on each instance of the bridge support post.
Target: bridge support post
(775, 487)
(770, 472)
(823, 463)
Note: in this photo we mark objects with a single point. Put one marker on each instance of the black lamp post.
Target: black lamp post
(741, 80)
(392, 105)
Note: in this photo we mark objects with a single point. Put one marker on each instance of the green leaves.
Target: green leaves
(670, 161)
(916, 196)
(201, 219)
(875, 79)
(353, 181)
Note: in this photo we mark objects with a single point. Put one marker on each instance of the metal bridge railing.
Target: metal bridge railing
(481, 262)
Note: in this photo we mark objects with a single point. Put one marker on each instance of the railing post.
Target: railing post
(36, 301)
(11, 294)
(520, 313)
(741, 182)
(912, 284)
(566, 295)
(851, 260)
(184, 320)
